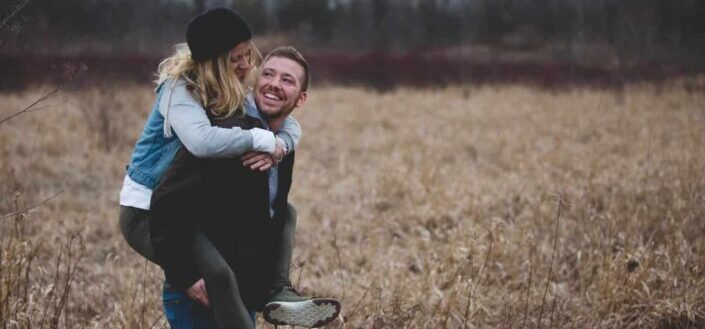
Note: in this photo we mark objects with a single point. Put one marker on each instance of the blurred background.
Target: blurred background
(465, 164)
(381, 43)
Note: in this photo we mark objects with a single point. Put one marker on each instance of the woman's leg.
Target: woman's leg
(221, 285)
(134, 224)
(228, 309)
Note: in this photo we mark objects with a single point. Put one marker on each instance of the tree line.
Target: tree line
(646, 30)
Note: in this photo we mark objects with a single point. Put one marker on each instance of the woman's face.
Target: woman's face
(240, 59)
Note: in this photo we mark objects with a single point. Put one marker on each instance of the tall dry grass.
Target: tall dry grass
(465, 207)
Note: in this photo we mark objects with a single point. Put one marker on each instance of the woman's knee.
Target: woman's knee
(135, 229)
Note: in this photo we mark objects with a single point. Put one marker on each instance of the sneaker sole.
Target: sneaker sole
(311, 313)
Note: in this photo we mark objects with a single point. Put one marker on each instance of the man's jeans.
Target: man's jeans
(182, 312)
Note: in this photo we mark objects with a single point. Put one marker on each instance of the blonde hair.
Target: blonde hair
(212, 82)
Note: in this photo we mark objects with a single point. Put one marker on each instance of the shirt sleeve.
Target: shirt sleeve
(290, 132)
(189, 121)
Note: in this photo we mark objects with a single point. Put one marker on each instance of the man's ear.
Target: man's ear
(301, 99)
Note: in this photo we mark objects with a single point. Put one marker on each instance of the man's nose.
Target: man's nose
(276, 82)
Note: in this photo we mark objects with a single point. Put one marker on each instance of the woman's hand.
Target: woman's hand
(258, 160)
(198, 293)
(279, 151)
(262, 161)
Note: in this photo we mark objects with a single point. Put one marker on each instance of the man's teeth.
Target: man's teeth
(271, 96)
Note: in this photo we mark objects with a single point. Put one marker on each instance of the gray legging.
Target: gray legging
(221, 285)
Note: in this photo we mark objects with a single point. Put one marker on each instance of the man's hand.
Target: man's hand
(198, 293)
(257, 160)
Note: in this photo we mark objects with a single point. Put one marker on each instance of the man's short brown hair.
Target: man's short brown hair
(294, 55)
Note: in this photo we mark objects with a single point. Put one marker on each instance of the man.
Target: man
(240, 216)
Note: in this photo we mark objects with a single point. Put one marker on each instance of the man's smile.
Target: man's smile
(271, 96)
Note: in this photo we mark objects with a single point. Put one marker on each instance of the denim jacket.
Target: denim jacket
(153, 152)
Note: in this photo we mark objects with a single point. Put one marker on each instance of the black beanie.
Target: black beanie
(215, 32)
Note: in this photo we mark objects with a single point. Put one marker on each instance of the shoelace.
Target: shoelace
(291, 288)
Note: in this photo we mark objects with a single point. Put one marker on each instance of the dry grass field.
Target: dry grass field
(465, 207)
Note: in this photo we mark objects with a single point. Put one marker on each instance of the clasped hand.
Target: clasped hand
(262, 161)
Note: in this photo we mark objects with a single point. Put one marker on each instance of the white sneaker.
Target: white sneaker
(310, 313)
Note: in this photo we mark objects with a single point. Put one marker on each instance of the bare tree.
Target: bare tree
(9, 16)
(6, 21)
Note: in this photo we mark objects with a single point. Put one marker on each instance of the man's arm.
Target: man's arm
(290, 133)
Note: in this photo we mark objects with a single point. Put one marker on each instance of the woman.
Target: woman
(211, 73)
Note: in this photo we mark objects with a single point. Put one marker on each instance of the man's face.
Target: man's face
(278, 87)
